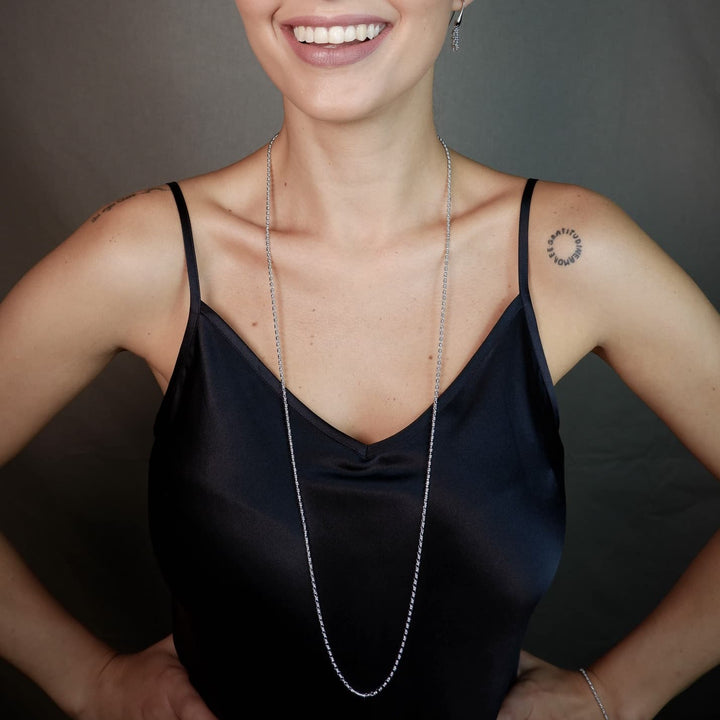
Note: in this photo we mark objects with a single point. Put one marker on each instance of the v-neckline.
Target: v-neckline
(363, 449)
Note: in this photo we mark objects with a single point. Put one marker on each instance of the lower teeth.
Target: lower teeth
(330, 45)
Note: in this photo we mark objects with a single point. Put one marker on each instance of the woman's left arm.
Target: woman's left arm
(639, 311)
(662, 336)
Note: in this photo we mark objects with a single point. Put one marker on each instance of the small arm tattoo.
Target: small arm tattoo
(564, 247)
(108, 208)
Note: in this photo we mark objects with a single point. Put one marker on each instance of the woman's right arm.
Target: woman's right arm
(117, 283)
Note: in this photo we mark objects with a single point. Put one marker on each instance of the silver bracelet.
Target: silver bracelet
(595, 693)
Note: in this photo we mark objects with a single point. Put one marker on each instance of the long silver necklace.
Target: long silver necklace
(436, 393)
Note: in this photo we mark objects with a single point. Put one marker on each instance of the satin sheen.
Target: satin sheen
(226, 531)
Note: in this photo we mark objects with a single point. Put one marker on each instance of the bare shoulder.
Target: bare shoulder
(602, 284)
(133, 206)
(584, 241)
(582, 245)
(132, 239)
(574, 226)
(597, 280)
(110, 275)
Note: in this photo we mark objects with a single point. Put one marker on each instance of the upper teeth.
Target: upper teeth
(337, 34)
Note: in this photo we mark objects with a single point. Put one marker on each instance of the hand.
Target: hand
(545, 692)
(149, 684)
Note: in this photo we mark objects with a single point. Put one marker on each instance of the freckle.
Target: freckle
(429, 357)
(254, 323)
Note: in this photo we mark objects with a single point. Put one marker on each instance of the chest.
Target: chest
(359, 340)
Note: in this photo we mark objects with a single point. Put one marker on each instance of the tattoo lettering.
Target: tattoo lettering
(564, 247)
(109, 207)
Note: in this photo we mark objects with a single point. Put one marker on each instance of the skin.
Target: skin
(358, 227)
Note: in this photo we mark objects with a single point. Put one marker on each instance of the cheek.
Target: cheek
(257, 16)
(258, 7)
(436, 12)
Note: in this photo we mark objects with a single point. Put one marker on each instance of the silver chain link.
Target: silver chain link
(436, 394)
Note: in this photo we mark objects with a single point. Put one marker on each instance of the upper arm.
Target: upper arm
(97, 293)
(662, 336)
(625, 299)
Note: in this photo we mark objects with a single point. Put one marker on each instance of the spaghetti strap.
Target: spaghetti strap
(523, 240)
(523, 282)
(186, 352)
(190, 259)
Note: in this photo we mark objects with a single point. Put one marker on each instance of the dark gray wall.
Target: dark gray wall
(101, 98)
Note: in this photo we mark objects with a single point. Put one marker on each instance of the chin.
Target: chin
(333, 107)
(352, 99)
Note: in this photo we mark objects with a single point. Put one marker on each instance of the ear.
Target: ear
(457, 4)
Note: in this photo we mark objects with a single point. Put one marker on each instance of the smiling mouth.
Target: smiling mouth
(337, 34)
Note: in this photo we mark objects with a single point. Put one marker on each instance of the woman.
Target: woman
(353, 228)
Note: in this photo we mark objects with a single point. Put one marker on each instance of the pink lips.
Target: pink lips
(333, 55)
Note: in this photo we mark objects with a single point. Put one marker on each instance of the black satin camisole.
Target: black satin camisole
(227, 534)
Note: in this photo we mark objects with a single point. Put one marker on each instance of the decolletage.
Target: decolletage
(226, 530)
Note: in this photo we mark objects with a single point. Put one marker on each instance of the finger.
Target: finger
(528, 662)
(167, 644)
(513, 709)
(191, 707)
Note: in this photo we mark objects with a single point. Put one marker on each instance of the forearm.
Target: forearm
(41, 639)
(676, 644)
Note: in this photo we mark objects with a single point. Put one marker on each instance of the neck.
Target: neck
(358, 182)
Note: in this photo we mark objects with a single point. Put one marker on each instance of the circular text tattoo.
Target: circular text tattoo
(564, 247)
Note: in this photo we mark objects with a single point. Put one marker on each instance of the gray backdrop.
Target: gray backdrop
(102, 98)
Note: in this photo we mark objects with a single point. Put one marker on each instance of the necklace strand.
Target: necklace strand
(431, 443)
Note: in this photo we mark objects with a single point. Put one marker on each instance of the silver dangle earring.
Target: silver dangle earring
(455, 35)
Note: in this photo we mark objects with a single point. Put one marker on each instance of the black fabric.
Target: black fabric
(227, 534)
